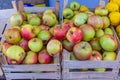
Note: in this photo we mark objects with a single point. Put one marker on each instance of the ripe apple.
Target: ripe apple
(99, 33)
(74, 5)
(35, 44)
(60, 32)
(68, 24)
(80, 19)
(109, 56)
(54, 46)
(12, 35)
(44, 27)
(27, 32)
(24, 44)
(108, 42)
(108, 31)
(95, 44)
(68, 45)
(106, 22)
(35, 21)
(44, 57)
(36, 30)
(95, 55)
(51, 30)
(5, 46)
(74, 35)
(95, 21)
(31, 58)
(16, 19)
(15, 54)
(88, 32)
(82, 50)
(44, 35)
(67, 13)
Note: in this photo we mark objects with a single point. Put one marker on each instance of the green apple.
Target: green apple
(67, 13)
(99, 33)
(74, 5)
(100, 69)
(108, 31)
(109, 56)
(35, 44)
(35, 21)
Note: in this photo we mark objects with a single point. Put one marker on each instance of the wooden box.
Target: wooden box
(36, 71)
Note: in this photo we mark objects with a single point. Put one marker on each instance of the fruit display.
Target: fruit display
(90, 36)
(33, 38)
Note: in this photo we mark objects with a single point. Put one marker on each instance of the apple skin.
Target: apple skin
(99, 33)
(60, 33)
(106, 22)
(67, 13)
(95, 44)
(74, 35)
(34, 21)
(44, 57)
(27, 32)
(12, 38)
(108, 31)
(68, 45)
(108, 42)
(15, 54)
(95, 55)
(5, 46)
(24, 44)
(74, 5)
(31, 58)
(109, 56)
(44, 27)
(88, 32)
(68, 24)
(35, 44)
(56, 47)
(82, 50)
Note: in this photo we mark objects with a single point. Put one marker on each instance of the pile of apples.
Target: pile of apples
(89, 36)
(30, 38)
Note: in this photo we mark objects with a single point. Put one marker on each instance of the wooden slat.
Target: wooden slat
(90, 64)
(34, 76)
(92, 79)
(89, 75)
(35, 67)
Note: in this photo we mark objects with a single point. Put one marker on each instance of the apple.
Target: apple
(51, 30)
(88, 32)
(44, 35)
(5, 46)
(80, 19)
(16, 19)
(72, 56)
(100, 69)
(60, 32)
(106, 22)
(108, 42)
(30, 15)
(36, 30)
(44, 57)
(95, 21)
(109, 56)
(108, 31)
(12, 35)
(67, 13)
(95, 55)
(68, 24)
(49, 11)
(31, 58)
(54, 46)
(35, 21)
(35, 44)
(74, 5)
(15, 54)
(44, 27)
(95, 44)
(68, 45)
(82, 50)
(24, 44)
(27, 32)
(99, 33)
(74, 35)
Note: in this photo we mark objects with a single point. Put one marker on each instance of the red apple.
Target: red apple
(44, 27)
(74, 35)
(68, 23)
(60, 33)
(82, 50)
(31, 58)
(27, 32)
(5, 46)
(24, 44)
(44, 57)
(12, 35)
(95, 55)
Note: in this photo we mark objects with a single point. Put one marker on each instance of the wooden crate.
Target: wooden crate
(36, 71)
